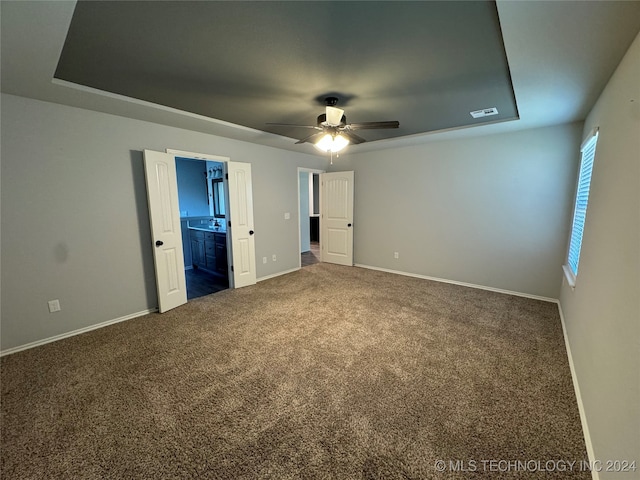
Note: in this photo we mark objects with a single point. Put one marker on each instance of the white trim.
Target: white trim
(273, 275)
(571, 278)
(197, 156)
(594, 131)
(576, 387)
(155, 106)
(73, 333)
(308, 170)
(463, 284)
(225, 161)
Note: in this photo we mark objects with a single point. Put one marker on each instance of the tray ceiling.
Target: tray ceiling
(426, 64)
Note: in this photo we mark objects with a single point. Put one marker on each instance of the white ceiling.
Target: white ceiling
(560, 54)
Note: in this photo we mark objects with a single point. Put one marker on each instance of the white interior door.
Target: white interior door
(166, 233)
(240, 212)
(336, 217)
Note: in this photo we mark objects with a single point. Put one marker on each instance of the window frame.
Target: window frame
(580, 206)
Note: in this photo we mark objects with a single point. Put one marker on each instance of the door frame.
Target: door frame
(311, 171)
(220, 159)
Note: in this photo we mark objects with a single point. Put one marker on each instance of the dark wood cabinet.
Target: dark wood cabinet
(209, 251)
(197, 248)
(222, 265)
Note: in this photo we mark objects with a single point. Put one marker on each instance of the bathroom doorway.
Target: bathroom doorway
(309, 216)
(201, 197)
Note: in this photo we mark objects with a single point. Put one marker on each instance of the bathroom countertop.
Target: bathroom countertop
(205, 228)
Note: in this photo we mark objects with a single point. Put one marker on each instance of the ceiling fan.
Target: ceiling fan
(334, 133)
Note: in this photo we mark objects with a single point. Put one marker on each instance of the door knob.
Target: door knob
(348, 224)
(251, 232)
(159, 243)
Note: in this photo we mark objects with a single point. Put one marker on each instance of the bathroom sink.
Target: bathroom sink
(208, 228)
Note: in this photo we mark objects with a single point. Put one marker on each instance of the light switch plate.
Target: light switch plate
(287, 216)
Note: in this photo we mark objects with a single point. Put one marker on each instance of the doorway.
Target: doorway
(166, 229)
(309, 216)
(201, 199)
(238, 198)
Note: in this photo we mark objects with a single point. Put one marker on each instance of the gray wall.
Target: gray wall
(305, 223)
(192, 187)
(491, 210)
(74, 213)
(602, 314)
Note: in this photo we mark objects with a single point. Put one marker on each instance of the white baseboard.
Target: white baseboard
(44, 341)
(463, 284)
(576, 387)
(55, 338)
(583, 419)
(273, 275)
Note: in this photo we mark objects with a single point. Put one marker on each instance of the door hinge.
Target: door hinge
(226, 176)
(229, 222)
(232, 268)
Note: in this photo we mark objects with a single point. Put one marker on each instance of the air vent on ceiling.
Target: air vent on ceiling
(485, 112)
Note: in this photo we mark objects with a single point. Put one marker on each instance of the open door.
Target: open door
(336, 218)
(166, 234)
(240, 213)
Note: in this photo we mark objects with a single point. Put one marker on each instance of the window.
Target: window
(588, 151)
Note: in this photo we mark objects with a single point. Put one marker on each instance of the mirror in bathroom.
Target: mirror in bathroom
(217, 187)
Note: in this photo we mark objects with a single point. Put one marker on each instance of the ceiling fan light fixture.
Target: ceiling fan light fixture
(331, 143)
(333, 131)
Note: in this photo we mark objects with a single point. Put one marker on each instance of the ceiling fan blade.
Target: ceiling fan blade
(353, 138)
(373, 125)
(311, 138)
(334, 116)
(292, 125)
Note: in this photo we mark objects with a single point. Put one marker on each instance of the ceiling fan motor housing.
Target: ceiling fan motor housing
(322, 120)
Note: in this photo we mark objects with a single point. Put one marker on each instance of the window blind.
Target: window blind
(588, 151)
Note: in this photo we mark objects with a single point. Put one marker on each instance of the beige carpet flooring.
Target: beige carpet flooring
(326, 373)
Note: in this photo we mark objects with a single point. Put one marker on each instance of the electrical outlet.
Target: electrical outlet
(273, 257)
(396, 255)
(54, 306)
(264, 259)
